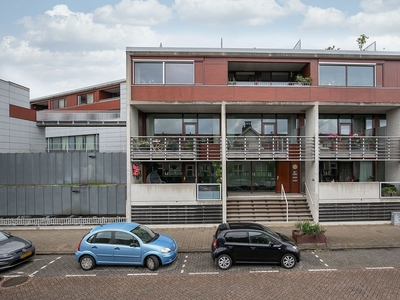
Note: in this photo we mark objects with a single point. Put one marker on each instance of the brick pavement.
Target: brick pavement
(64, 240)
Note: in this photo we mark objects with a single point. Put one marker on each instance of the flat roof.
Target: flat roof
(260, 52)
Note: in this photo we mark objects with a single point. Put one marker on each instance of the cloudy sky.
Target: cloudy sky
(53, 46)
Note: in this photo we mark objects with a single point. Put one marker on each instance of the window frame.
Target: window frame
(346, 79)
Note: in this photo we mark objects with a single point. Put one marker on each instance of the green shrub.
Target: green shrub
(306, 227)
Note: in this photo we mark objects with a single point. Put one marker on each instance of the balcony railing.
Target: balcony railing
(158, 148)
(270, 148)
(61, 116)
(268, 83)
(359, 148)
(209, 148)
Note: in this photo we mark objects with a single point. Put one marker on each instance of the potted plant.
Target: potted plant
(308, 232)
(389, 191)
(304, 80)
(188, 145)
(143, 144)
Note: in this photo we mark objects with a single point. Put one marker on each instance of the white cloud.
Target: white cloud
(377, 6)
(134, 12)
(227, 13)
(316, 18)
(376, 23)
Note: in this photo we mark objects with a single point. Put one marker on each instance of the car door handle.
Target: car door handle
(253, 248)
(94, 247)
(116, 248)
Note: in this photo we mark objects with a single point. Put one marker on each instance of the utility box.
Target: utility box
(396, 218)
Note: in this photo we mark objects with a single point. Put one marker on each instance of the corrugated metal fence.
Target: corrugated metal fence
(62, 184)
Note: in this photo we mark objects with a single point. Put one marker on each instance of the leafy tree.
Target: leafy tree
(361, 41)
(332, 48)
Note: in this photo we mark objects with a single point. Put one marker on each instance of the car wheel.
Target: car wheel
(288, 261)
(224, 262)
(87, 262)
(152, 263)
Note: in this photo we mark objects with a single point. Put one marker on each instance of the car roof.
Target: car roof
(128, 226)
(239, 225)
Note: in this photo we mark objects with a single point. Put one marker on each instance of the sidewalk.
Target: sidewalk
(64, 240)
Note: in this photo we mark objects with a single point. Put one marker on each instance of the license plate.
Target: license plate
(25, 255)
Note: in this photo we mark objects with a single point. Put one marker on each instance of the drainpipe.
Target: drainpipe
(223, 161)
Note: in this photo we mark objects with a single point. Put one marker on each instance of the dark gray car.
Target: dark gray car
(14, 250)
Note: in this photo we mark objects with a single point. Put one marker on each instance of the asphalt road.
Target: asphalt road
(354, 274)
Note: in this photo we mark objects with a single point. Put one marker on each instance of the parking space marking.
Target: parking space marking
(183, 266)
(265, 271)
(143, 274)
(379, 268)
(44, 267)
(321, 270)
(204, 273)
(321, 260)
(84, 275)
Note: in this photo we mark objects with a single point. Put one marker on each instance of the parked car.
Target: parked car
(14, 250)
(125, 243)
(252, 243)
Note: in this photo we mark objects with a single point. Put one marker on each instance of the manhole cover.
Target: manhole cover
(14, 281)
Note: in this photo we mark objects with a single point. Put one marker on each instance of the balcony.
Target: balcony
(155, 148)
(173, 148)
(270, 148)
(359, 148)
(268, 83)
(79, 118)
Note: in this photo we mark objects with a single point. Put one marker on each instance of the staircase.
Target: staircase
(267, 208)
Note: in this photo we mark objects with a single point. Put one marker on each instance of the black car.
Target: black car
(252, 243)
(14, 250)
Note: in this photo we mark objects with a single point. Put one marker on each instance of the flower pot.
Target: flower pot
(308, 238)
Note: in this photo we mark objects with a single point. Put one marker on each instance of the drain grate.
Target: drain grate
(14, 281)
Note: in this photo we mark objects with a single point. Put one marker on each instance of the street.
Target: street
(353, 274)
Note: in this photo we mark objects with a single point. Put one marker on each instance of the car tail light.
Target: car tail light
(79, 245)
(215, 244)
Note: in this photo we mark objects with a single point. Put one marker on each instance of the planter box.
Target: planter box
(308, 238)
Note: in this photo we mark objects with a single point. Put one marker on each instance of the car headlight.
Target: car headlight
(165, 250)
(5, 255)
(294, 247)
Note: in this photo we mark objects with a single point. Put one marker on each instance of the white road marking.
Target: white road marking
(143, 274)
(86, 275)
(204, 273)
(265, 271)
(44, 267)
(321, 270)
(380, 268)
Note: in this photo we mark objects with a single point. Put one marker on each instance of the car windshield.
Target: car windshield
(145, 234)
(271, 232)
(4, 236)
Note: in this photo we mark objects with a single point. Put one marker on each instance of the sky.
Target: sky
(54, 46)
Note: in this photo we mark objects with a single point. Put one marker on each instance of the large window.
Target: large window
(346, 75)
(170, 72)
(85, 99)
(74, 143)
(60, 103)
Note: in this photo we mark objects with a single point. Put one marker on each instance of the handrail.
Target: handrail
(308, 193)
(283, 195)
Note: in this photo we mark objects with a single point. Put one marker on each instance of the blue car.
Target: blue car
(125, 244)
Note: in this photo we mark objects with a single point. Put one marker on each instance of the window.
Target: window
(237, 237)
(123, 238)
(74, 143)
(259, 238)
(347, 75)
(170, 72)
(56, 104)
(85, 99)
(102, 238)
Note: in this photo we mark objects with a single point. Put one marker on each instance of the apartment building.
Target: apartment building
(262, 135)
(86, 119)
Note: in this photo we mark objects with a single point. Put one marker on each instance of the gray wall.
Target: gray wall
(62, 184)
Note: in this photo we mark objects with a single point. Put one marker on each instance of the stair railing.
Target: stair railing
(283, 196)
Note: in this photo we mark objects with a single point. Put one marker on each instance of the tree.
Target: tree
(361, 41)
(332, 48)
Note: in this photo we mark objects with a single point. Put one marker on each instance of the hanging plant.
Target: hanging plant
(136, 172)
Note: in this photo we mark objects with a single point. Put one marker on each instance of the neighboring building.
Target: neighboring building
(262, 123)
(18, 130)
(87, 119)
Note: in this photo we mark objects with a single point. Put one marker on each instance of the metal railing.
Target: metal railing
(270, 148)
(81, 116)
(54, 221)
(359, 147)
(268, 83)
